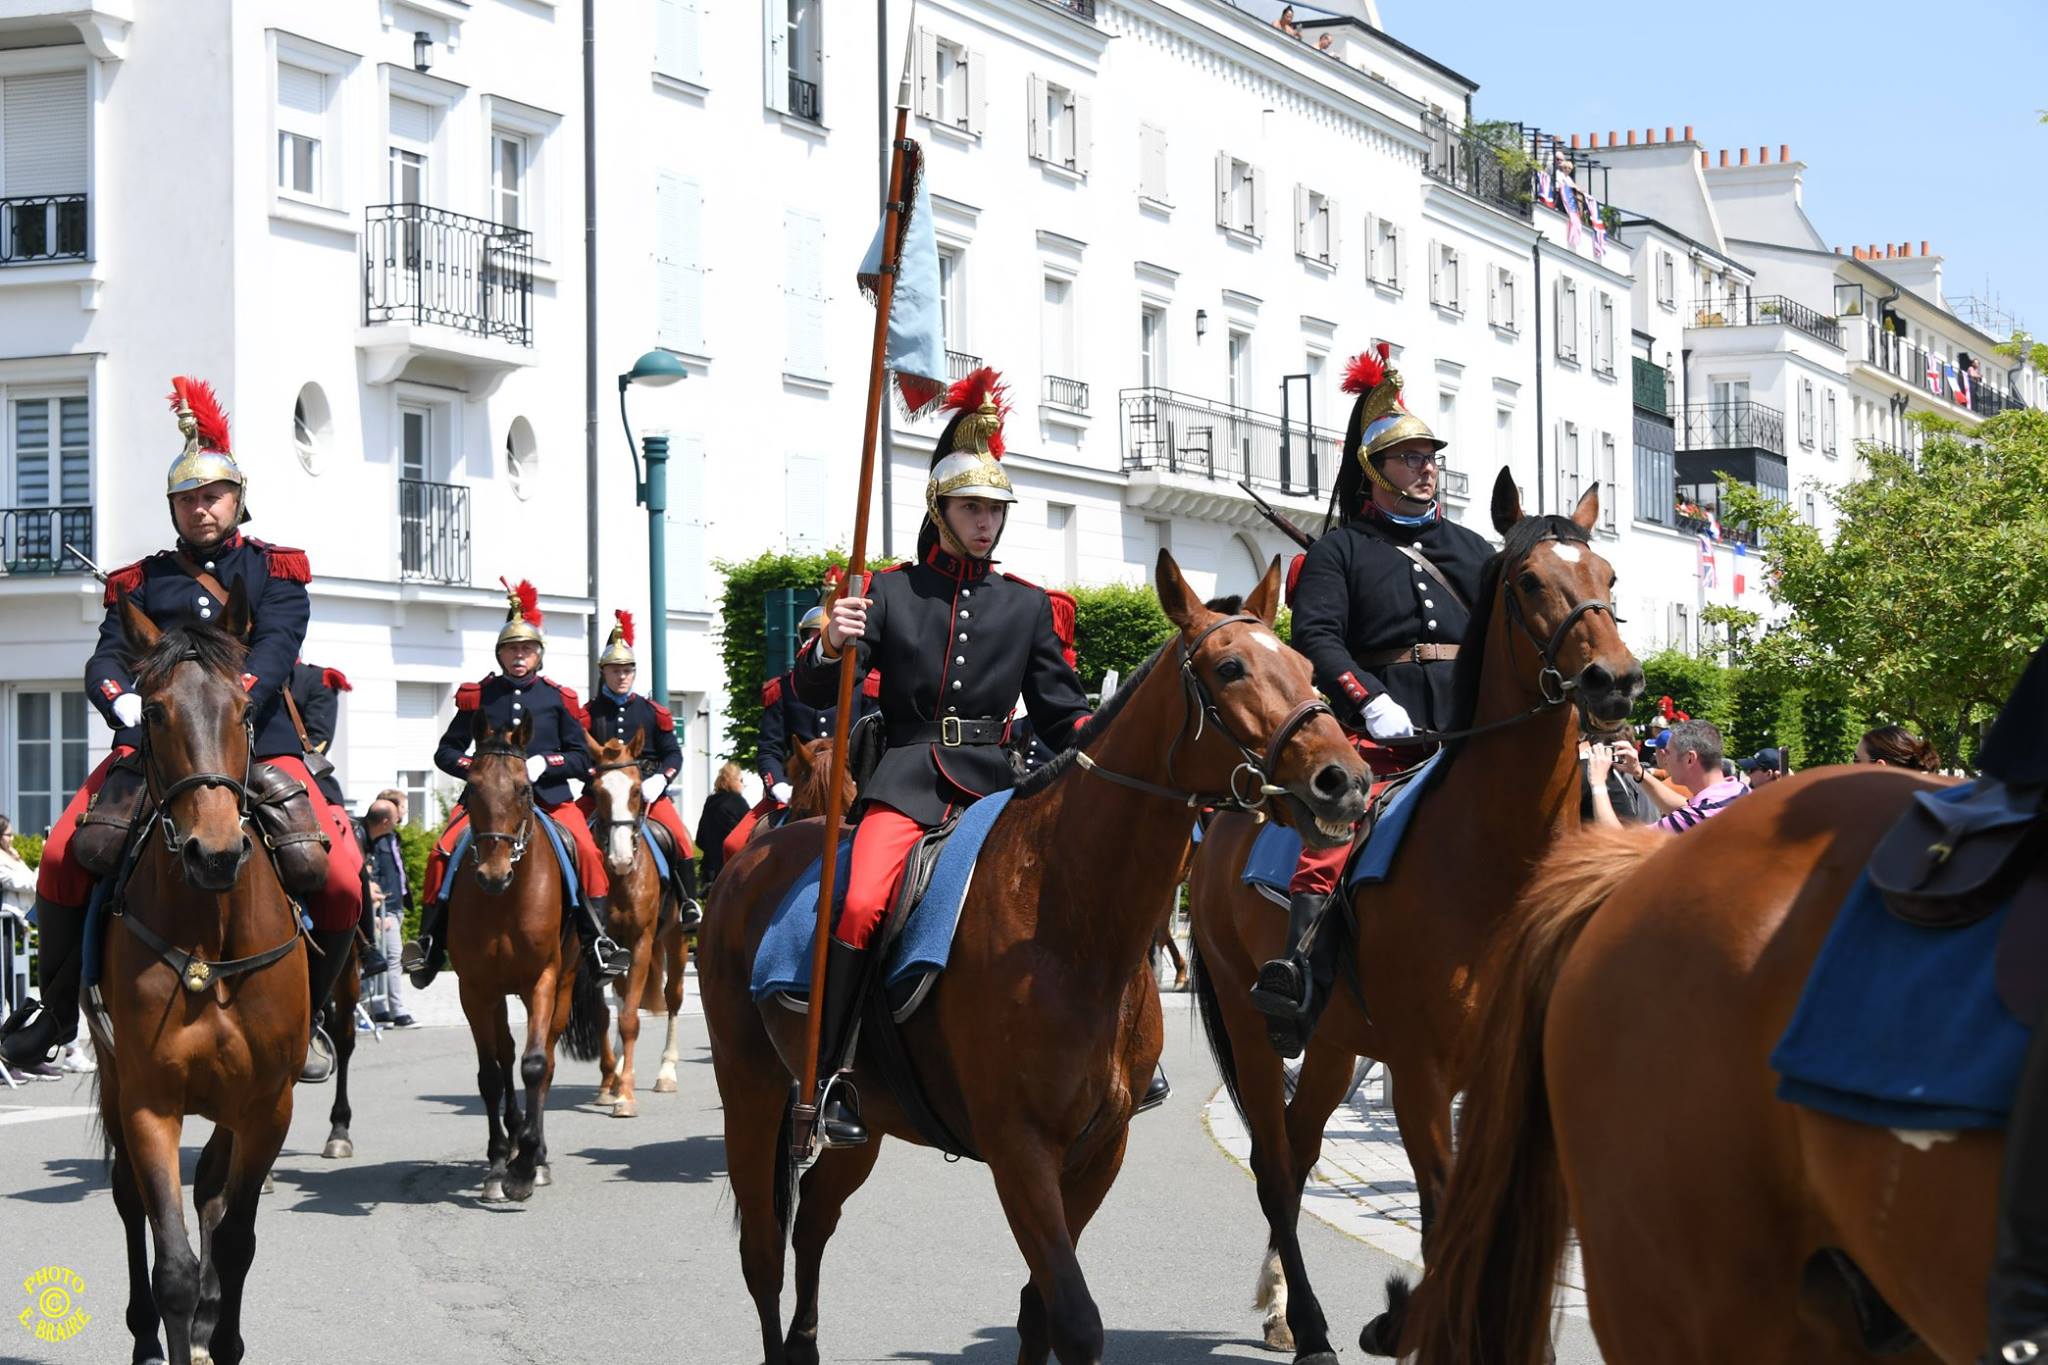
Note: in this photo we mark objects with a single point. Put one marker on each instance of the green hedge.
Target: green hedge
(1120, 625)
(1754, 710)
(30, 847)
(1701, 688)
(741, 644)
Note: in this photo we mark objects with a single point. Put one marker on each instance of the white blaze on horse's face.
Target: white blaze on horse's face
(1271, 642)
(1568, 553)
(615, 795)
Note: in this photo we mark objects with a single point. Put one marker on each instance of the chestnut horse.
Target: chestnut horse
(617, 816)
(1404, 994)
(507, 935)
(339, 1019)
(1041, 1035)
(809, 768)
(204, 995)
(1622, 1085)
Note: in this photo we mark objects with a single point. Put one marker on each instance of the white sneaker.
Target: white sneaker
(77, 1057)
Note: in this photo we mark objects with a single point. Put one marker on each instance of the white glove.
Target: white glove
(780, 791)
(1386, 718)
(535, 766)
(127, 709)
(651, 788)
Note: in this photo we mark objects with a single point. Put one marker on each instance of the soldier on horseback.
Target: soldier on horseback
(618, 712)
(556, 750)
(956, 643)
(187, 585)
(1379, 609)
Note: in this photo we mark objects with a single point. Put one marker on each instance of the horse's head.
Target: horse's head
(1258, 720)
(195, 736)
(809, 768)
(1555, 592)
(499, 800)
(618, 802)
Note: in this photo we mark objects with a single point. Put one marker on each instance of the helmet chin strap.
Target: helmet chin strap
(950, 543)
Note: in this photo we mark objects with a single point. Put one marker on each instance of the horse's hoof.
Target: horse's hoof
(338, 1149)
(627, 1109)
(1319, 1358)
(542, 1175)
(269, 1185)
(494, 1191)
(518, 1191)
(201, 1356)
(606, 1095)
(665, 1085)
(1279, 1336)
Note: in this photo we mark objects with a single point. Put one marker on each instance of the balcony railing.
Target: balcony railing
(32, 539)
(1474, 166)
(1456, 483)
(1652, 385)
(803, 99)
(959, 364)
(42, 227)
(1178, 433)
(433, 531)
(1067, 393)
(1080, 9)
(427, 265)
(1732, 426)
(1766, 310)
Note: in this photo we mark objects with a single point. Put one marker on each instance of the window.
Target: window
(678, 51)
(1504, 437)
(1603, 334)
(803, 294)
(49, 755)
(1240, 195)
(1239, 375)
(678, 264)
(522, 458)
(1809, 510)
(793, 51)
(951, 89)
(43, 121)
(52, 452)
(301, 129)
(1444, 289)
(508, 178)
(1447, 416)
(1567, 312)
(1383, 255)
(1152, 163)
(1059, 125)
(1806, 413)
(1568, 464)
(1656, 472)
(1827, 430)
(1501, 302)
(1062, 529)
(1728, 415)
(1057, 328)
(689, 561)
(1152, 346)
(952, 299)
(1681, 628)
(1610, 495)
(1667, 280)
(415, 442)
(312, 426)
(1315, 226)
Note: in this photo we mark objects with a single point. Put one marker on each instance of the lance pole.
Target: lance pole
(805, 1115)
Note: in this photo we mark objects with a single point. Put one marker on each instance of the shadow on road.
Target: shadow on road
(998, 1346)
(351, 1190)
(684, 1161)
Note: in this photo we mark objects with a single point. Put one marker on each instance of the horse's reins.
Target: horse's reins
(1201, 708)
(519, 838)
(606, 822)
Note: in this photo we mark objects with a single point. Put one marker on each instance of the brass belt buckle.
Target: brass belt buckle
(950, 733)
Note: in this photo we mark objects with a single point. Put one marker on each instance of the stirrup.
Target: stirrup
(689, 915)
(1283, 990)
(839, 1121)
(2023, 1351)
(609, 958)
(319, 1065)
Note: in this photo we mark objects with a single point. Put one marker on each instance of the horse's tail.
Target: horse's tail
(1500, 1238)
(589, 1016)
(1210, 1007)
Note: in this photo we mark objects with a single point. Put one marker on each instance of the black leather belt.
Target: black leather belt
(952, 732)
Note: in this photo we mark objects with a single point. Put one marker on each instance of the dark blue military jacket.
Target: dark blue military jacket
(317, 691)
(1358, 594)
(951, 638)
(787, 719)
(607, 717)
(274, 578)
(557, 733)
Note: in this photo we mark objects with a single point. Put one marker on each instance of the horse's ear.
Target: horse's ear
(1587, 513)
(479, 726)
(638, 743)
(1176, 598)
(1264, 601)
(237, 619)
(595, 749)
(136, 628)
(1507, 501)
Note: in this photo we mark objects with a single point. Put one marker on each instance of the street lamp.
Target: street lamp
(656, 369)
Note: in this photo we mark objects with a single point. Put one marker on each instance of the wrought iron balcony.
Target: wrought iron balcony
(1067, 393)
(42, 227)
(1766, 310)
(1080, 9)
(433, 531)
(1732, 426)
(1177, 433)
(32, 539)
(1929, 372)
(1472, 165)
(803, 99)
(1456, 483)
(1652, 385)
(427, 265)
(959, 364)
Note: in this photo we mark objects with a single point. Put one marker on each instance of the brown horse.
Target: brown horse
(1622, 1085)
(507, 936)
(617, 811)
(1047, 973)
(339, 1019)
(220, 1033)
(809, 769)
(1404, 995)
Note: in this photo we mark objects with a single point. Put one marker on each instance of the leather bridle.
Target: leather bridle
(606, 823)
(520, 837)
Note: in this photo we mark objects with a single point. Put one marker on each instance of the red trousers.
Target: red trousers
(589, 862)
(881, 845)
(61, 881)
(662, 812)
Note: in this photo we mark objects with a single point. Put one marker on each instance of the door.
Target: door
(420, 515)
(1728, 413)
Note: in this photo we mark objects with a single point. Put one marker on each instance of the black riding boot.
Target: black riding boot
(2019, 1273)
(689, 908)
(34, 1031)
(323, 969)
(845, 982)
(370, 952)
(422, 958)
(1285, 991)
(606, 957)
(1155, 1093)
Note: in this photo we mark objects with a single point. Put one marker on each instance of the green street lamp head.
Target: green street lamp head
(656, 369)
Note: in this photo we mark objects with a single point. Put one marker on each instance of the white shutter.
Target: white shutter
(1257, 226)
(1037, 134)
(301, 90)
(677, 50)
(688, 555)
(678, 263)
(1082, 125)
(803, 500)
(977, 93)
(42, 119)
(1223, 190)
(1301, 224)
(1436, 272)
(418, 701)
(411, 120)
(1372, 248)
(1334, 219)
(804, 294)
(926, 95)
(1152, 161)
(1397, 268)
(1493, 299)
(774, 60)
(1457, 265)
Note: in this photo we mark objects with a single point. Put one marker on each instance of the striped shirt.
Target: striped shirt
(1709, 803)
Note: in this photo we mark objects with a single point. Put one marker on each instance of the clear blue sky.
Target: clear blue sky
(1914, 120)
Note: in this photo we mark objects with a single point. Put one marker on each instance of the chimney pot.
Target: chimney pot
(1888, 251)
(1667, 134)
(1838, 251)
(1613, 138)
(1923, 247)
(1784, 151)
(1724, 156)
(1703, 158)
(1688, 132)
(1631, 137)
(1742, 156)
(1592, 139)
(1649, 134)
(1575, 142)
(1763, 156)
(1873, 252)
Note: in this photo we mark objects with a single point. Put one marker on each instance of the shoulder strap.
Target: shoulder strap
(220, 595)
(1423, 562)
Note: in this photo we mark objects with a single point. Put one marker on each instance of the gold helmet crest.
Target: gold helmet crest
(522, 615)
(1380, 421)
(208, 456)
(619, 648)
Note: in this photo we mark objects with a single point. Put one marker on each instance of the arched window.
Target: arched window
(312, 428)
(522, 458)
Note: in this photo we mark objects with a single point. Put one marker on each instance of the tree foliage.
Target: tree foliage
(742, 636)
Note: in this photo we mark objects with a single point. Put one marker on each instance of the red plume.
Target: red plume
(198, 395)
(835, 574)
(967, 395)
(625, 625)
(529, 601)
(1366, 370)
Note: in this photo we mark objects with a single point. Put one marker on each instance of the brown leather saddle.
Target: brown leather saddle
(1949, 862)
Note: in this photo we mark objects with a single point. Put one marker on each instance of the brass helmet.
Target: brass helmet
(1379, 421)
(814, 619)
(208, 457)
(619, 648)
(522, 615)
(967, 461)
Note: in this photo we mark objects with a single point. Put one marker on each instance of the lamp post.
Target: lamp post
(656, 369)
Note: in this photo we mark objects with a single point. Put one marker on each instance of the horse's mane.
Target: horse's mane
(212, 648)
(1524, 536)
(1068, 757)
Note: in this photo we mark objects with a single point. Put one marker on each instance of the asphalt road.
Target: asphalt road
(630, 1256)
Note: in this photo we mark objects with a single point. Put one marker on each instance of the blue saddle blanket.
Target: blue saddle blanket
(782, 965)
(654, 851)
(1903, 1027)
(1278, 848)
(564, 858)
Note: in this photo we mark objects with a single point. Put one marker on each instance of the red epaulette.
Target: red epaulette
(569, 697)
(1064, 612)
(583, 716)
(124, 580)
(663, 717)
(284, 562)
(469, 696)
(1294, 577)
(334, 680)
(771, 692)
(871, 685)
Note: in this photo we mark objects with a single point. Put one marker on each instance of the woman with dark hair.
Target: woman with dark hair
(1894, 746)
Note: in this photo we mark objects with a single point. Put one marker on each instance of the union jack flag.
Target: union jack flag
(1709, 576)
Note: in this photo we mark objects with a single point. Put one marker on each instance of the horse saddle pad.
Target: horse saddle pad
(1277, 848)
(1912, 1025)
(657, 840)
(1955, 852)
(565, 858)
(922, 934)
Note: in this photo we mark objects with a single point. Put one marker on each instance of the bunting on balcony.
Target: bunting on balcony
(917, 340)
(1568, 204)
(1599, 226)
(1545, 194)
(1709, 575)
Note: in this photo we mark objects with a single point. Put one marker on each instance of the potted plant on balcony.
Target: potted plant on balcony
(1769, 308)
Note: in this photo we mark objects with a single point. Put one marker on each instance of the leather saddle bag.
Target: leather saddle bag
(284, 815)
(1948, 863)
(102, 832)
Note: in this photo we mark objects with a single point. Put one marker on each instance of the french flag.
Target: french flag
(1933, 373)
(1740, 557)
